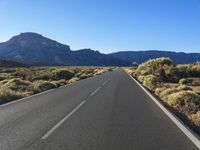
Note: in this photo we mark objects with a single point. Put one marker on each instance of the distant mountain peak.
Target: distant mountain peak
(28, 36)
(33, 48)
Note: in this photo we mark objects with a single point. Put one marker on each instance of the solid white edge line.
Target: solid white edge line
(61, 121)
(95, 91)
(25, 98)
(179, 124)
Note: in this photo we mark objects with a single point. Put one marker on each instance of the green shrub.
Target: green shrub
(62, 74)
(44, 85)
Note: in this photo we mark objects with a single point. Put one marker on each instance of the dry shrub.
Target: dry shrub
(195, 118)
(44, 85)
(151, 81)
(164, 68)
(62, 74)
(74, 79)
(186, 102)
(7, 95)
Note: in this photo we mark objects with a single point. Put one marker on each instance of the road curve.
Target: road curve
(105, 112)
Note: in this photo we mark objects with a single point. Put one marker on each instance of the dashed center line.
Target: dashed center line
(104, 82)
(62, 121)
(95, 91)
(71, 113)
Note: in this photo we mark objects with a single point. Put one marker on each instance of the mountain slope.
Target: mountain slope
(32, 48)
(7, 63)
(142, 56)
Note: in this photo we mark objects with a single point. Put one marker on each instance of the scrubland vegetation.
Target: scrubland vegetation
(177, 86)
(17, 83)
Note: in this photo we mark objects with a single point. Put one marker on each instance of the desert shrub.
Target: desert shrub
(130, 71)
(184, 87)
(7, 70)
(185, 81)
(195, 118)
(164, 68)
(74, 79)
(7, 95)
(110, 69)
(141, 78)
(44, 85)
(189, 70)
(158, 91)
(59, 83)
(62, 74)
(23, 73)
(187, 102)
(167, 92)
(17, 84)
(150, 81)
(41, 76)
(83, 76)
(98, 72)
(78, 74)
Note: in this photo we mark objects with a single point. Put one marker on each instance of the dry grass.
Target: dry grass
(20, 82)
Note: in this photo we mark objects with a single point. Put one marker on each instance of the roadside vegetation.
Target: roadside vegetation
(16, 83)
(177, 86)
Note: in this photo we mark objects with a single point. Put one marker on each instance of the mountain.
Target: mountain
(142, 56)
(7, 63)
(34, 49)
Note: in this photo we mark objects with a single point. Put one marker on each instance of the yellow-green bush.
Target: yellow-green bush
(185, 81)
(7, 95)
(187, 102)
(184, 87)
(141, 78)
(160, 90)
(74, 79)
(195, 118)
(17, 84)
(167, 92)
(62, 74)
(59, 83)
(150, 81)
(44, 85)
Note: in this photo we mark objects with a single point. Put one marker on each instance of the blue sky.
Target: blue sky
(107, 25)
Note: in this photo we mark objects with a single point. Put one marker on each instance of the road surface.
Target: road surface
(105, 112)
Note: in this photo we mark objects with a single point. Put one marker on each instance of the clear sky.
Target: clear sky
(107, 25)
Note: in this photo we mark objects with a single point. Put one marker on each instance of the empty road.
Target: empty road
(105, 112)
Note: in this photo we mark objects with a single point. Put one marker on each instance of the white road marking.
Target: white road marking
(95, 91)
(62, 121)
(26, 98)
(178, 123)
(105, 82)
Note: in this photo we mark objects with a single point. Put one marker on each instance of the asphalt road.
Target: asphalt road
(106, 112)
